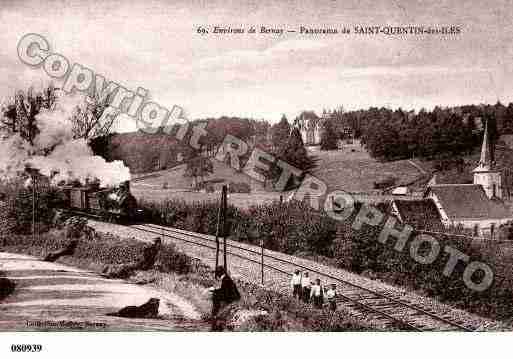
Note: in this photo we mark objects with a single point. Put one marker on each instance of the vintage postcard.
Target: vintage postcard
(255, 166)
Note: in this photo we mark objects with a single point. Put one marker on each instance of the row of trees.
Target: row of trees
(397, 134)
(391, 134)
(387, 134)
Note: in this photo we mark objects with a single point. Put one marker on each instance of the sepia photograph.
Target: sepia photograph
(246, 167)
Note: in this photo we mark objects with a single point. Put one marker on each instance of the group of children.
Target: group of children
(312, 292)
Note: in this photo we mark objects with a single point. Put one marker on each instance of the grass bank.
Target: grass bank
(297, 229)
(177, 273)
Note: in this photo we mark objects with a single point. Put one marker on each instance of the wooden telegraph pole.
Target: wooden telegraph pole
(222, 227)
(33, 177)
(217, 234)
(262, 260)
(224, 206)
(33, 208)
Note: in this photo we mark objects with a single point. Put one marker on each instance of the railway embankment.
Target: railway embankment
(245, 263)
(181, 275)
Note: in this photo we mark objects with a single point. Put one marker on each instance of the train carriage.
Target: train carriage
(112, 204)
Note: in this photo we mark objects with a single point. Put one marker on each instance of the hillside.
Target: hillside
(353, 170)
(173, 178)
(141, 152)
(171, 183)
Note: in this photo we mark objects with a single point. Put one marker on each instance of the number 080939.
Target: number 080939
(23, 348)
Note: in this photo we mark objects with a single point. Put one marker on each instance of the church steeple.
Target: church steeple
(487, 159)
(485, 173)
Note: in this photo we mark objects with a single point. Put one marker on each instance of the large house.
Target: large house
(477, 206)
(310, 126)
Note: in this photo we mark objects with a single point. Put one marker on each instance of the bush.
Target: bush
(100, 249)
(171, 260)
(285, 313)
(288, 227)
(239, 187)
(364, 254)
(198, 217)
(18, 209)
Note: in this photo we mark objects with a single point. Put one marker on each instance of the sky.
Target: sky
(155, 44)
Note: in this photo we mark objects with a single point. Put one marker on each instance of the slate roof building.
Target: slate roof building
(477, 206)
(421, 214)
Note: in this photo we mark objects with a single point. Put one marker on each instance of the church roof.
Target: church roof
(421, 214)
(308, 115)
(468, 201)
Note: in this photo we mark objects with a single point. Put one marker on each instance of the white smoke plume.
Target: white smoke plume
(14, 153)
(55, 125)
(74, 160)
(55, 153)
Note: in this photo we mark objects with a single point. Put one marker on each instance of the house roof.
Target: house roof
(420, 214)
(308, 115)
(468, 201)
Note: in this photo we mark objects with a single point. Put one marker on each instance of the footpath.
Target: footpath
(55, 297)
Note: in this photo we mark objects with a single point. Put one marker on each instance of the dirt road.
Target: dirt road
(52, 296)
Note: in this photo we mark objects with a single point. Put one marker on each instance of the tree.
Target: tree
(198, 167)
(329, 137)
(89, 123)
(19, 114)
(295, 154)
(280, 133)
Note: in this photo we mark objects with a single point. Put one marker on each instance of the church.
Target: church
(477, 206)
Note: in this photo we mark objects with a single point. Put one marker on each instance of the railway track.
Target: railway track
(388, 309)
(385, 308)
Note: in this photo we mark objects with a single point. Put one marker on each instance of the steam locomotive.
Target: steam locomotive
(110, 204)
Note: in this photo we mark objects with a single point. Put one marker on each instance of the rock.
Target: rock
(76, 226)
(119, 270)
(150, 309)
(67, 251)
(6, 287)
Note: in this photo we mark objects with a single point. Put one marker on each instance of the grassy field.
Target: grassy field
(173, 178)
(241, 200)
(353, 170)
(179, 187)
(350, 169)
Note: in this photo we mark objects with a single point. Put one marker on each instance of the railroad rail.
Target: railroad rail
(385, 308)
